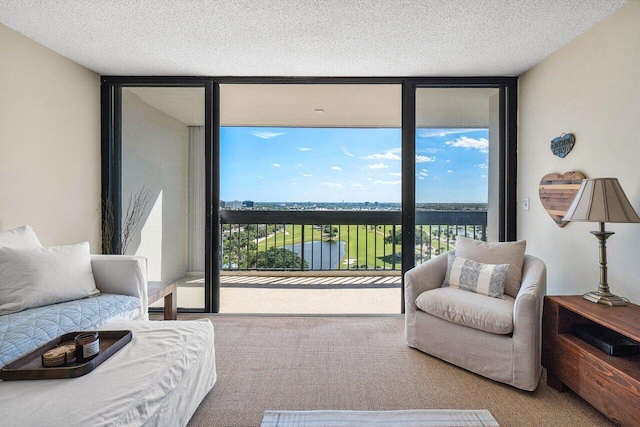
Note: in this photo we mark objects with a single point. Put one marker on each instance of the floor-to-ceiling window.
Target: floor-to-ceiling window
(323, 185)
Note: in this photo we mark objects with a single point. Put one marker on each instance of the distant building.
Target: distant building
(247, 204)
(235, 204)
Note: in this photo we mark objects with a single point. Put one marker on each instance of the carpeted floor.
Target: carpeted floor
(357, 363)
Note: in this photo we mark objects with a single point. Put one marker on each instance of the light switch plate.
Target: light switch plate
(525, 203)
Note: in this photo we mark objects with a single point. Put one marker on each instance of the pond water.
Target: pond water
(321, 255)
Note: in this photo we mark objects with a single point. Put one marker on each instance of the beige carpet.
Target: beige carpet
(357, 363)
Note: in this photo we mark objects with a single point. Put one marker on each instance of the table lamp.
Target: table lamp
(602, 200)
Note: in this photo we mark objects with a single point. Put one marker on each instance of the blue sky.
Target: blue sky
(348, 164)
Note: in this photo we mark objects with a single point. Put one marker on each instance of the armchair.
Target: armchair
(496, 338)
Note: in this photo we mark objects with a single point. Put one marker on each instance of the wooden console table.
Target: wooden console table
(168, 291)
(611, 384)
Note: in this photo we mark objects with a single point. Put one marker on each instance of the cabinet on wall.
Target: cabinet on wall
(611, 384)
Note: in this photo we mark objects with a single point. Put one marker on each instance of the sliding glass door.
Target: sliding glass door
(457, 142)
(154, 199)
(163, 185)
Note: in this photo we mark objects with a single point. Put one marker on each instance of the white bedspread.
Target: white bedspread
(158, 379)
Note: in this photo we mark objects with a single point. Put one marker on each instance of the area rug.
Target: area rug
(410, 418)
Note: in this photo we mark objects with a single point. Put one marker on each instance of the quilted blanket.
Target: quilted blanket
(24, 331)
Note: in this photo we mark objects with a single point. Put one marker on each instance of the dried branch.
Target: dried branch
(134, 213)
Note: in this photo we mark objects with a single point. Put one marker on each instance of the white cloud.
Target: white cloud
(276, 165)
(358, 186)
(427, 133)
(423, 173)
(304, 149)
(389, 182)
(308, 175)
(260, 177)
(336, 168)
(331, 184)
(467, 143)
(430, 150)
(265, 135)
(395, 173)
(482, 166)
(424, 159)
(393, 154)
(346, 152)
(483, 176)
(378, 166)
(449, 171)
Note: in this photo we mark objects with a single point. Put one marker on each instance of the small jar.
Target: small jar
(87, 346)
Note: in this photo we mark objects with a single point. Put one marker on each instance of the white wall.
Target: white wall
(49, 143)
(590, 87)
(155, 155)
(197, 198)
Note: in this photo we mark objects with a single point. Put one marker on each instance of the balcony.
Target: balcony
(337, 241)
(324, 262)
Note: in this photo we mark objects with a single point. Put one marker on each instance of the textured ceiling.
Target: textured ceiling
(305, 37)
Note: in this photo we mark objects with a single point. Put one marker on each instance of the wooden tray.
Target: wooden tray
(29, 366)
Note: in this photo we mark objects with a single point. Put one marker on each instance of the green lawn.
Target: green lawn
(365, 247)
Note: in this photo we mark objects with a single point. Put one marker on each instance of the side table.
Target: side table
(168, 291)
(611, 384)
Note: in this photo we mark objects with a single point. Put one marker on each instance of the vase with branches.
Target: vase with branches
(136, 207)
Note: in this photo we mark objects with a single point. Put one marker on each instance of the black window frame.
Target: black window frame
(111, 152)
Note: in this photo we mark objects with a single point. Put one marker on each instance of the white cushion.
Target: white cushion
(468, 275)
(42, 276)
(21, 237)
(511, 253)
(469, 309)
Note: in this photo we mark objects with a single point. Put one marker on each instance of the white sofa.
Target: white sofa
(121, 280)
(158, 379)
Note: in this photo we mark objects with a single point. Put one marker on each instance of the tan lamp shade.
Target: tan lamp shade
(601, 200)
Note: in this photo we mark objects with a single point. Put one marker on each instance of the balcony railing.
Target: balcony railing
(254, 240)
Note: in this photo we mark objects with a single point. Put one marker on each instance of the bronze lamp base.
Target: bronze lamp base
(602, 295)
(606, 298)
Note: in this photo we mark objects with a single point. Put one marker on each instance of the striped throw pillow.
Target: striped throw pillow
(468, 275)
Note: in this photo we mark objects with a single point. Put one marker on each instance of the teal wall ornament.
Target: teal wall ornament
(561, 145)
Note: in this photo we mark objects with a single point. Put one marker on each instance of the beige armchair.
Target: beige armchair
(495, 338)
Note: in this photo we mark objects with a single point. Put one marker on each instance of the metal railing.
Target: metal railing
(254, 240)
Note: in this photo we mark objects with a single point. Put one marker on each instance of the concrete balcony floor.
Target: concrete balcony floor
(331, 294)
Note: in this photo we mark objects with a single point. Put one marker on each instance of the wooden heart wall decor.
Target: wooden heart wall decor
(557, 193)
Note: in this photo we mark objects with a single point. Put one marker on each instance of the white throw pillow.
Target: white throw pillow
(21, 237)
(41, 276)
(468, 275)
